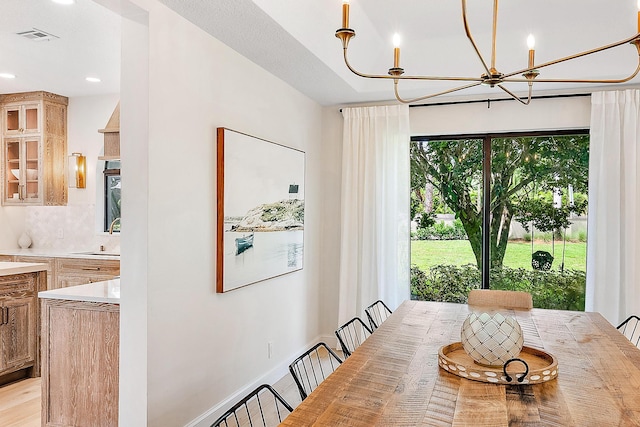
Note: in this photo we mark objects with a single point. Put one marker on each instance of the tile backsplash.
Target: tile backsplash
(67, 228)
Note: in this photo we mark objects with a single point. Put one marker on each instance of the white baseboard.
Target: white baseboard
(331, 341)
(271, 377)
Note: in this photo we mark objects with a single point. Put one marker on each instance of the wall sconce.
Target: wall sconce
(77, 170)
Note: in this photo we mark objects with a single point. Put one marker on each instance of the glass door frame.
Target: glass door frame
(486, 177)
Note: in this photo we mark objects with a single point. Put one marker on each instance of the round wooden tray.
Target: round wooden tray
(543, 366)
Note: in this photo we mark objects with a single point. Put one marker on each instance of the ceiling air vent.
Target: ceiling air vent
(37, 35)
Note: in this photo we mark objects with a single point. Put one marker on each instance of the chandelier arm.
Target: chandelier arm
(517, 98)
(470, 37)
(635, 38)
(408, 101)
(384, 76)
(623, 80)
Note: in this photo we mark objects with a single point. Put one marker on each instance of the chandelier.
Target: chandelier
(491, 77)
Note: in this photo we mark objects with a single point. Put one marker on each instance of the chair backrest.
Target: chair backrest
(501, 299)
(630, 328)
(313, 367)
(352, 334)
(377, 313)
(262, 407)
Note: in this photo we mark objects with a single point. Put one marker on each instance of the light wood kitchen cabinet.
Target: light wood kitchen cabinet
(22, 117)
(16, 332)
(34, 149)
(19, 322)
(51, 265)
(63, 272)
(80, 271)
(80, 354)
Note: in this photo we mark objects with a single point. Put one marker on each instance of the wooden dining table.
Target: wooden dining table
(393, 378)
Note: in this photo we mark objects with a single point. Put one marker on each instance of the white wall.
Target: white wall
(202, 347)
(87, 114)
(504, 116)
(331, 180)
(134, 267)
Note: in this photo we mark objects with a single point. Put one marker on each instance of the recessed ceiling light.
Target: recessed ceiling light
(7, 76)
(64, 1)
(93, 79)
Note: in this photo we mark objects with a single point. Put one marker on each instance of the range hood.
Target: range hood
(112, 136)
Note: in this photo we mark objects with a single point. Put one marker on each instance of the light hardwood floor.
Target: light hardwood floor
(20, 401)
(20, 404)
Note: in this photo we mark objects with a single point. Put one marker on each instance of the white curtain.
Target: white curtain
(613, 279)
(374, 249)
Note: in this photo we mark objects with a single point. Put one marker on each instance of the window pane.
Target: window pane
(446, 197)
(112, 190)
(538, 217)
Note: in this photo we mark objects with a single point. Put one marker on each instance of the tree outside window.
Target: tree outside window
(112, 196)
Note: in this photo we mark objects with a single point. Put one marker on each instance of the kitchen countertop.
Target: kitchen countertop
(107, 291)
(57, 253)
(8, 268)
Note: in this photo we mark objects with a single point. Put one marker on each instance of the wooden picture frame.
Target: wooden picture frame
(260, 210)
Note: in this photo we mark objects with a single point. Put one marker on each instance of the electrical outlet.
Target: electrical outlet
(60, 233)
(270, 349)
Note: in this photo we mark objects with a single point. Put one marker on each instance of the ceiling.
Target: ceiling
(87, 44)
(294, 40)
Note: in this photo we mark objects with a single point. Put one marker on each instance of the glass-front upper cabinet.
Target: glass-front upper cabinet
(23, 171)
(22, 119)
(33, 153)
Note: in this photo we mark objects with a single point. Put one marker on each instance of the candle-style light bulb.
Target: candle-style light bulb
(396, 50)
(638, 16)
(345, 13)
(396, 39)
(531, 43)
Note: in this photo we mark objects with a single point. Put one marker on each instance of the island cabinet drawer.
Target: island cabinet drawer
(17, 284)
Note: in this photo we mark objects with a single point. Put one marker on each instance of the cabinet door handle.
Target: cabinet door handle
(6, 316)
(91, 268)
(2, 313)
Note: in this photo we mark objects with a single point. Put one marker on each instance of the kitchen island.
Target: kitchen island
(80, 354)
(20, 283)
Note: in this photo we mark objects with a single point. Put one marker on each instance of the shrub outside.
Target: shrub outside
(549, 289)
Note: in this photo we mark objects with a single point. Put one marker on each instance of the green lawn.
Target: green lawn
(426, 253)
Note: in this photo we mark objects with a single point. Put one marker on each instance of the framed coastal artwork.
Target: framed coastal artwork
(260, 210)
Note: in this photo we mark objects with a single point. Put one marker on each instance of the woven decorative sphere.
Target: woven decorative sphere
(491, 339)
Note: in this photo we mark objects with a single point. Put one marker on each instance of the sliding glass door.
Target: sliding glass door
(531, 235)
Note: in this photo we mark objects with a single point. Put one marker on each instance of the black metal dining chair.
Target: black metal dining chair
(630, 328)
(352, 334)
(262, 407)
(377, 313)
(313, 367)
